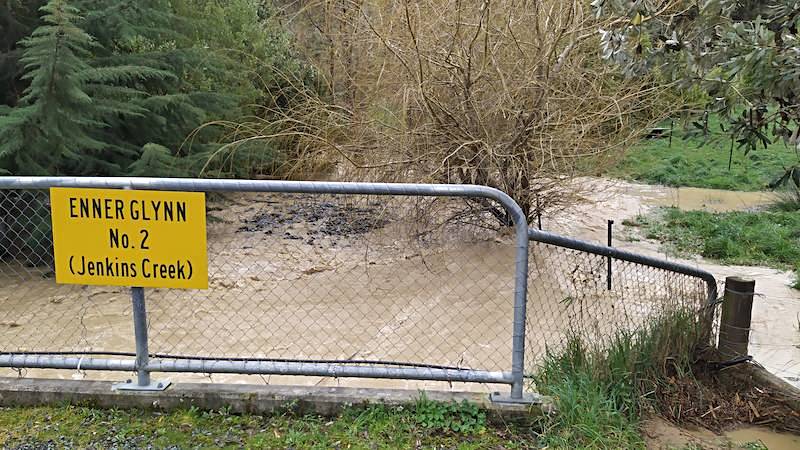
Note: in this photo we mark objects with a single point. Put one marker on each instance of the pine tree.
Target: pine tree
(53, 117)
(114, 87)
(60, 122)
(17, 20)
(148, 33)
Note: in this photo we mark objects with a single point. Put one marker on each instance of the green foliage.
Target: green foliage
(51, 129)
(464, 417)
(600, 394)
(135, 78)
(789, 200)
(18, 18)
(696, 161)
(743, 54)
(754, 445)
(375, 426)
(749, 238)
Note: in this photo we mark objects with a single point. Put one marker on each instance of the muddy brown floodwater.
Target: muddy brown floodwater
(662, 435)
(296, 277)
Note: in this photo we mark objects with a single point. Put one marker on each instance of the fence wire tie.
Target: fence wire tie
(732, 362)
(79, 375)
(756, 294)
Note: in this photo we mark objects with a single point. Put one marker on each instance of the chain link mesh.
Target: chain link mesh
(312, 277)
(569, 295)
(36, 314)
(352, 278)
(299, 277)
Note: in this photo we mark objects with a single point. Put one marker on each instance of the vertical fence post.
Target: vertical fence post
(140, 333)
(671, 129)
(518, 394)
(608, 275)
(143, 381)
(737, 308)
(538, 212)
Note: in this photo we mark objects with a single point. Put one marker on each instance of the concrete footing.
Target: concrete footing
(251, 399)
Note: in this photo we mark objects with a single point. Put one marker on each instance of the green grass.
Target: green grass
(765, 238)
(696, 163)
(373, 427)
(770, 238)
(602, 394)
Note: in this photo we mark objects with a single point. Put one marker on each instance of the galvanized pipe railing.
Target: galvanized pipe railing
(623, 255)
(514, 378)
(143, 365)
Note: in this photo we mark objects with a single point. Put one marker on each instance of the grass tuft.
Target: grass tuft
(602, 393)
(768, 238)
(789, 200)
(761, 238)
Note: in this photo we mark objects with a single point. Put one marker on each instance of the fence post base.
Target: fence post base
(526, 399)
(130, 385)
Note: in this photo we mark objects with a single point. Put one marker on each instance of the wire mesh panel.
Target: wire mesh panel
(300, 277)
(36, 314)
(348, 278)
(423, 277)
(570, 294)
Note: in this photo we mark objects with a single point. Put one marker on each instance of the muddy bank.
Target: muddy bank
(734, 407)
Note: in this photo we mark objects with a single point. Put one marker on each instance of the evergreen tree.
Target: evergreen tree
(114, 87)
(58, 126)
(149, 33)
(51, 122)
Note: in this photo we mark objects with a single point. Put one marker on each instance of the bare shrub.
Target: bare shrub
(509, 94)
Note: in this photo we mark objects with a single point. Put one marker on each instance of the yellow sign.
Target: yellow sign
(129, 238)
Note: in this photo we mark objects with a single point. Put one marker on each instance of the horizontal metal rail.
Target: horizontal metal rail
(63, 362)
(257, 368)
(327, 370)
(603, 250)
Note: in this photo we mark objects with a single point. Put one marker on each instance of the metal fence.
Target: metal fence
(580, 289)
(336, 280)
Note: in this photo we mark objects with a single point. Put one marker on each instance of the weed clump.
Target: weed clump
(602, 393)
(464, 417)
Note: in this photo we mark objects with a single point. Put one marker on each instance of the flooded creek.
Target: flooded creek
(355, 288)
(662, 435)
